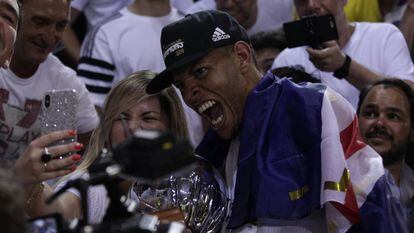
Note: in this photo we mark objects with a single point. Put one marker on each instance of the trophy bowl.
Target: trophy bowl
(196, 193)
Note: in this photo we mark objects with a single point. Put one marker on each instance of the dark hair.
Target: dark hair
(12, 216)
(397, 83)
(296, 73)
(265, 39)
(391, 82)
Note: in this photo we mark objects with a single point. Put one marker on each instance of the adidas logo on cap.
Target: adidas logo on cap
(219, 35)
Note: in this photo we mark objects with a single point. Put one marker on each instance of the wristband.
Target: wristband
(343, 71)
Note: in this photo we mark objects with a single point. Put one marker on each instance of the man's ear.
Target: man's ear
(243, 53)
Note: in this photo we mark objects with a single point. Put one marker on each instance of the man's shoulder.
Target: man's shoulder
(111, 24)
(112, 28)
(303, 86)
(54, 66)
(79, 4)
(5, 73)
(293, 56)
(375, 24)
(125, 18)
(60, 75)
(201, 5)
(113, 21)
(288, 85)
(298, 51)
(374, 28)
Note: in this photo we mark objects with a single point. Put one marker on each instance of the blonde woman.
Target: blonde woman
(127, 100)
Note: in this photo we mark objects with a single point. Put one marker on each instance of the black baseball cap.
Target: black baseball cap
(191, 38)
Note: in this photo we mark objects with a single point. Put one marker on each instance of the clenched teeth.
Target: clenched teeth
(206, 105)
(218, 120)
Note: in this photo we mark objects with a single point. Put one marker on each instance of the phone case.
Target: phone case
(311, 30)
(59, 109)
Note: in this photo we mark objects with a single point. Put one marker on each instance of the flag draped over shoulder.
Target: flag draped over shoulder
(350, 171)
(354, 185)
(299, 151)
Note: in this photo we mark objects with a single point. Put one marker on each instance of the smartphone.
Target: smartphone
(311, 31)
(47, 224)
(58, 112)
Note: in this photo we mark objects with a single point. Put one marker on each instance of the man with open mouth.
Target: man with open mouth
(289, 153)
(35, 70)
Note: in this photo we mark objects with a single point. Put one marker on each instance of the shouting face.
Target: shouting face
(216, 88)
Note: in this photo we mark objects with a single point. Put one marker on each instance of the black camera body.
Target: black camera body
(147, 155)
(151, 155)
(311, 31)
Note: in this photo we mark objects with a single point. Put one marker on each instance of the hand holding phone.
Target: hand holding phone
(328, 59)
(59, 109)
(311, 30)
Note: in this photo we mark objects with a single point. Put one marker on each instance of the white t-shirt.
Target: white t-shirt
(271, 13)
(182, 5)
(379, 47)
(97, 10)
(21, 104)
(201, 5)
(119, 47)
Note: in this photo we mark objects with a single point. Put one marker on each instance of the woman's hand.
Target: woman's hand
(33, 170)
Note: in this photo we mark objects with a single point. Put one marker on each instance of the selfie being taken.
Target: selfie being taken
(250, 116)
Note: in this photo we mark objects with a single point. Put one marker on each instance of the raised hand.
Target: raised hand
(35, 166)
(327, 59)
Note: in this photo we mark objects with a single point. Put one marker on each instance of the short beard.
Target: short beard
(392, 157)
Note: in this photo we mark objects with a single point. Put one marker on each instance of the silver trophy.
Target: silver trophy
(196, 193)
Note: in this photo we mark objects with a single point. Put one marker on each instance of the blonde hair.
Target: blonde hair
(125, 95)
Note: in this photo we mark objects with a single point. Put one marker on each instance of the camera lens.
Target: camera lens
(47, 101)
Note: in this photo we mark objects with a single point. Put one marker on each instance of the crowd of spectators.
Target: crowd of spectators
(306, 139)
